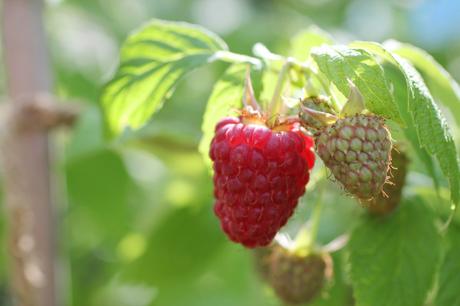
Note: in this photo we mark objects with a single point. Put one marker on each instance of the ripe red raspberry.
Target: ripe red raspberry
(259, 175)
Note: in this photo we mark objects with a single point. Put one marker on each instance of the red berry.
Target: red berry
(259, 175)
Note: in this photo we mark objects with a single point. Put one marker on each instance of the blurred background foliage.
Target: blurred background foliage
(136, 225)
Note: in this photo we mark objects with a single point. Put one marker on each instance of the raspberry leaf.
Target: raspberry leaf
(225, 99)
(340, 64)
(152, 61)
(355, 103)
(338, 291)
(449, 274)
(388, 257)
(427, 119)
(441, 84)
(398, 82)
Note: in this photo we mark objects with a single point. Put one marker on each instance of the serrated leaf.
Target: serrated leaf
(340, 63)
(399, 86)
(225, 99)
(393, 260)
(152, 61)
(441, 84)
(430, 125)
(449, 274)
(304, 41)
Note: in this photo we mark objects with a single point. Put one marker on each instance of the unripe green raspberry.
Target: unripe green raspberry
(357, 150)
(262, 260)
(298, 279)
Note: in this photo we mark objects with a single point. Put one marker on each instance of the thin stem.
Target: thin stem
(231, 57)
(316, 218)
(275, 104)
(249, 98)
(263, 52)
(260, 50)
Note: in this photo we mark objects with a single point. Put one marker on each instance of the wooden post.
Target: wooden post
(26, 158)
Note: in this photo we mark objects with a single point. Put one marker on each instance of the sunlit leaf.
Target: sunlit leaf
(152, 61)
(430, 125)
(225, 99)
(441, 84)
(399, 86)
(340, 64)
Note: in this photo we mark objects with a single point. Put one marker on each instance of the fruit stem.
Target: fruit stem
(261, 51)
(316, 218)
(236, 58)
(275, 103)
(249, 99)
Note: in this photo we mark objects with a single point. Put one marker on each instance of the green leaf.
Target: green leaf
(399, 86)
(340, 63)
(393, 260)
(174, 252)
(337, 292)
(430, 125)
(441, 84)
(225, 98)
(99, 183)
(304, 41)
(449, 274)
(153, 60)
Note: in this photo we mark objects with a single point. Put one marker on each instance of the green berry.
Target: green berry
(357, 150)
(298, 279)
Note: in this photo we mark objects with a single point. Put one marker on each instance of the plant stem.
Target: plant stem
(275, 104)
(315, 219)
(262, 51)
(231, 57)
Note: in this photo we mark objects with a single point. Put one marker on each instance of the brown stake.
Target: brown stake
(26, 159)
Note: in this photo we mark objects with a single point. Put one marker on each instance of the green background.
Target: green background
(136, 225)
